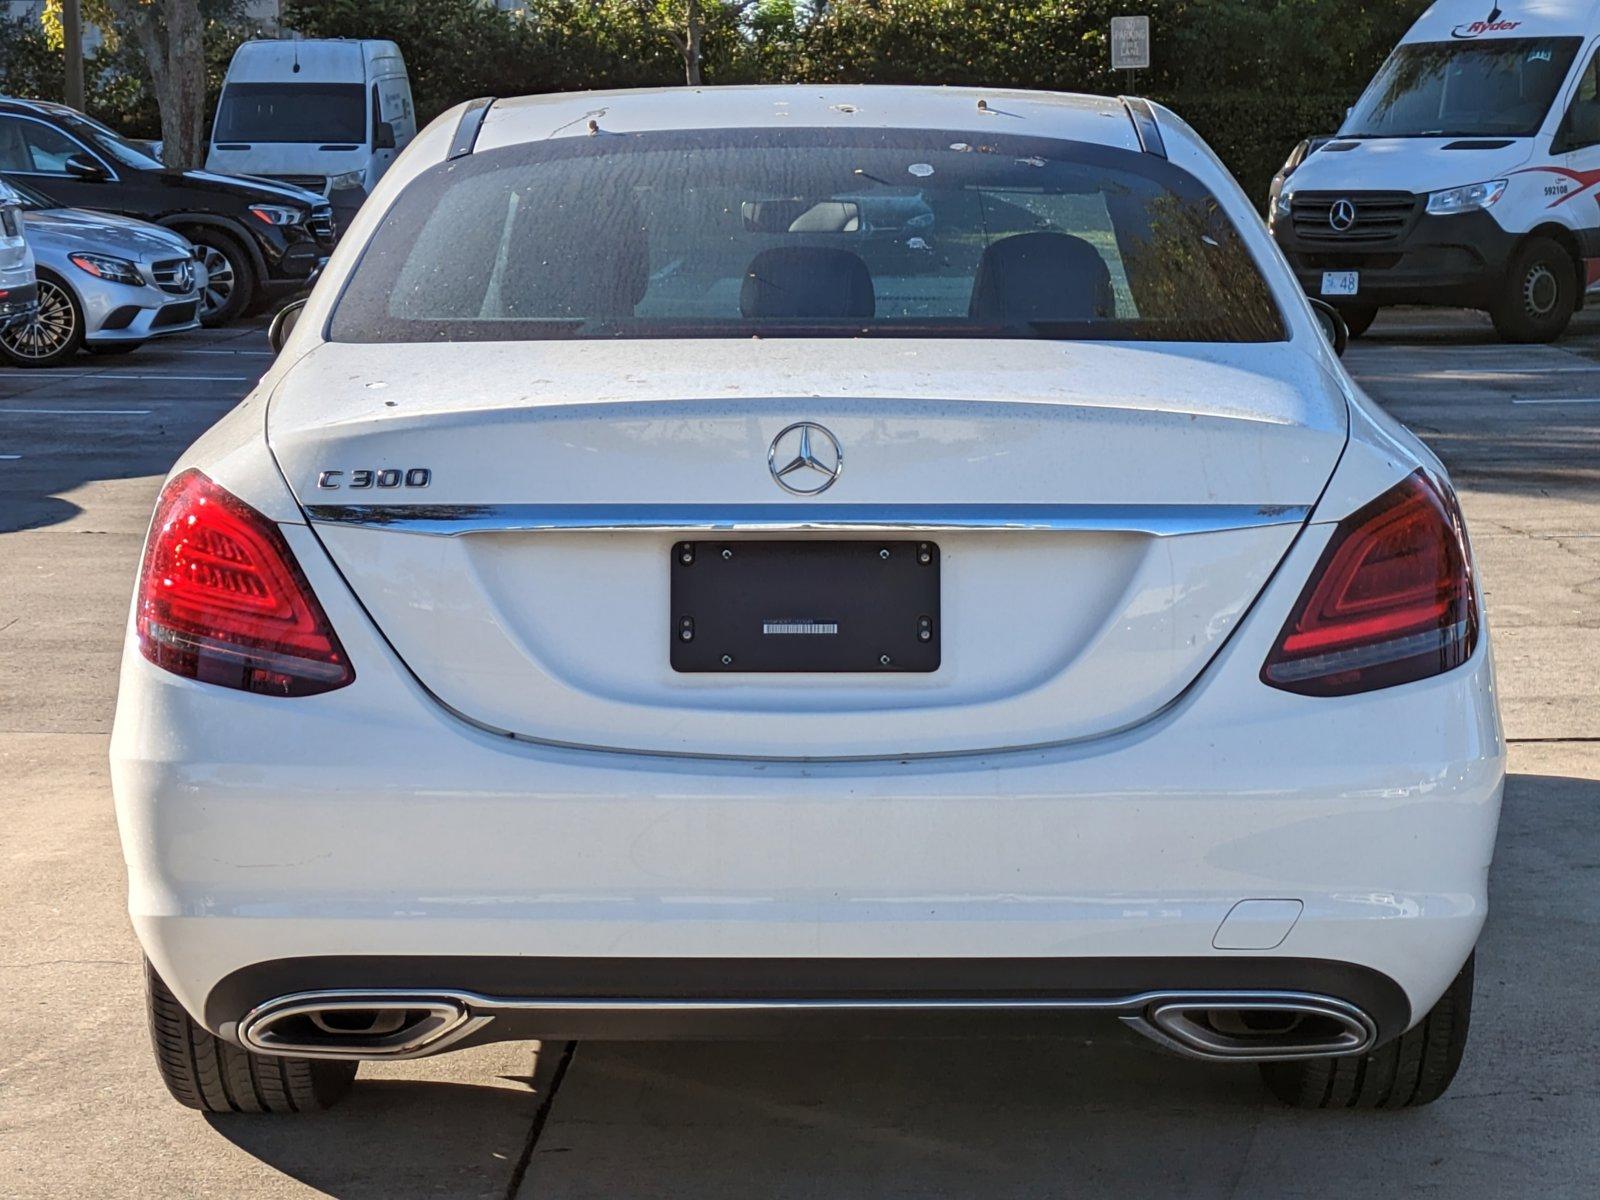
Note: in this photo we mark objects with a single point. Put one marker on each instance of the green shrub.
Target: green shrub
(28, 66)
(115, 88)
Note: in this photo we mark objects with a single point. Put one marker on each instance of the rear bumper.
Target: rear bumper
(1453, 260)
(397, 846)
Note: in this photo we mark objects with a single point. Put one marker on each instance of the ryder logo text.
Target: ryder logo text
(1474, 29)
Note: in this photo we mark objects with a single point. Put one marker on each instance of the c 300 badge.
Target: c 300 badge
(379, 477)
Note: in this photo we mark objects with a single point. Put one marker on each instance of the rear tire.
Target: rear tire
(1539, 295)
(1358, 320)
(1413, 1069)
(202, 1071)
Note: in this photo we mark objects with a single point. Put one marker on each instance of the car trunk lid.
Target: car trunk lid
(1102, 517)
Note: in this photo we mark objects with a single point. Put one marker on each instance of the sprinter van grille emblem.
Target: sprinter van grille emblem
(810, 459)
(1342, 215)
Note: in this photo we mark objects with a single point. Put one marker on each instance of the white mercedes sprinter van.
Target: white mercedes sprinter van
(328, 115)
(1467, 174)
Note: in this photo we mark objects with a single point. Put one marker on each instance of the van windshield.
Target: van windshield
(1463, 89)
(292, 112)
(806, 233)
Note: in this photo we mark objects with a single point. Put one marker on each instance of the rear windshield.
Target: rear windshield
(1463, 89)
(806, 233)
(292, 112)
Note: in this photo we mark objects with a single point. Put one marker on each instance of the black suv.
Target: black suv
(258, 239)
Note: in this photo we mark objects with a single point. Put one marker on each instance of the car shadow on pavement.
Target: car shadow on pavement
(57, 454)
(390, 1139)
(97, 421)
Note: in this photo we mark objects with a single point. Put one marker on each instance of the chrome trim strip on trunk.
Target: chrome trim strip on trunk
(1157, 520)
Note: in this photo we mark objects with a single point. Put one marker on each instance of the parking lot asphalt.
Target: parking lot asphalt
(82, 1113)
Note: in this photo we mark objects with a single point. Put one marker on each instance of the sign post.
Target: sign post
(1130, 47)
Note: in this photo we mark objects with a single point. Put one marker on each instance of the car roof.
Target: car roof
(37, 106)
(316, 60)
(971, 111)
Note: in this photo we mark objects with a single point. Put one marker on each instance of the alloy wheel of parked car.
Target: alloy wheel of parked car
(230, 283)
(53, 335)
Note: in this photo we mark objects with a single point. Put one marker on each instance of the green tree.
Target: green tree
(168, 40)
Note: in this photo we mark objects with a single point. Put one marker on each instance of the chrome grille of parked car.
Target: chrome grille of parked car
(174, 275)
(312, 183)
(321, 222)
(1377, 216)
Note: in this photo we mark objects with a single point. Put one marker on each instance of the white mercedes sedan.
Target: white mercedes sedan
(807, 562)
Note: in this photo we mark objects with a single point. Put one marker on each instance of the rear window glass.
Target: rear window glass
(292, 112)
(806, 233)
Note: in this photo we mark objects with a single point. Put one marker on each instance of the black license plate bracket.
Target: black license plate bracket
(805, 606)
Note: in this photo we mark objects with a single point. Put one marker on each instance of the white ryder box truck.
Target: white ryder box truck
(1468, 173)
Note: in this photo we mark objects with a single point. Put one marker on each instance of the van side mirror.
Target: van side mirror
(82, 166)
(283, 324)
(383, 136)
(1333, 326)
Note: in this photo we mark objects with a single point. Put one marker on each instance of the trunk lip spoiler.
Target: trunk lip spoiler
(1155, 520)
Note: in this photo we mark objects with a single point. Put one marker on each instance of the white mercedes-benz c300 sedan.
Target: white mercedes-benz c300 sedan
(807, 562)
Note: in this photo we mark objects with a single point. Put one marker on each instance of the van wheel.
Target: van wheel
(1539, 295)
(203, 1071)
(230, 279)
(1413, 1069)
(1359, 319)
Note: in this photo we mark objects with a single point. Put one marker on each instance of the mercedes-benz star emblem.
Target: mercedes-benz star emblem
(1342, 215)
(805, 459)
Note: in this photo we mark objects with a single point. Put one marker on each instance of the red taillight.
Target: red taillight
(1391, 600)
(222, 600)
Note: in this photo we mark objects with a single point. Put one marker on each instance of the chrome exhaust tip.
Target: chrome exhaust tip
(1255, 1026)
(363, 1025)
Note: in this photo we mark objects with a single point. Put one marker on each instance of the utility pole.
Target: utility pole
(72, 35)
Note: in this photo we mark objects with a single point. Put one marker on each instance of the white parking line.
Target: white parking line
(79, 412)
(1478, 373)
(10, 457)
(1559, 400)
